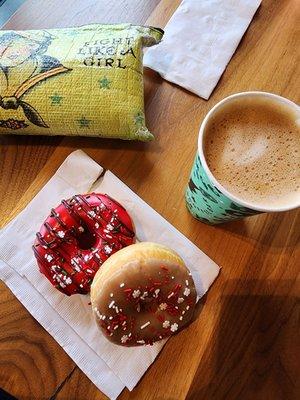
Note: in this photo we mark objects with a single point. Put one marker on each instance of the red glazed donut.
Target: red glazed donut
(77, 237)
(142, 294)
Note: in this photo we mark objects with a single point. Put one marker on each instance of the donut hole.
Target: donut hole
(147, 305)
(86, 240)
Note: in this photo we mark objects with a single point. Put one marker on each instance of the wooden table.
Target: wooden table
(245, 343)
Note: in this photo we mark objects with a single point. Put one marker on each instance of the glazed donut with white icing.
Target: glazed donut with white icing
(78, 236)
(142, 294)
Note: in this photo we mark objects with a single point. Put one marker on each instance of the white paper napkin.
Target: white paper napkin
(69, 319)
(199, 41)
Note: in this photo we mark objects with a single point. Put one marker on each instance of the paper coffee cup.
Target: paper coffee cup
(206, 199)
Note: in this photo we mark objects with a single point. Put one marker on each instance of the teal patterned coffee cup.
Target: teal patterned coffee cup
(206, 199)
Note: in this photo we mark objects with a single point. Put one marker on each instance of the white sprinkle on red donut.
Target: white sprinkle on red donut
(72, 244)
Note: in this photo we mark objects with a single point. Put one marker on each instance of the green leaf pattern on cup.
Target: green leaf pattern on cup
(207, 203)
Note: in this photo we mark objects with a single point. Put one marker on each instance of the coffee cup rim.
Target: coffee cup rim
(216, 183)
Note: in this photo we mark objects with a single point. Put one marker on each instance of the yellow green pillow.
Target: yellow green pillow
(85, 81)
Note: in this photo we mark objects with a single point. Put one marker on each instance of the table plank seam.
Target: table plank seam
(61, 385)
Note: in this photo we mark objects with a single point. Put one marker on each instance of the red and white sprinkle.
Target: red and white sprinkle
(109, 227)
(166, 324)
(145, 294)
(111, 304)
(145, 325)
(136, 294)
(107, 249)
(124, 338)
(48, 257)
(163, 306)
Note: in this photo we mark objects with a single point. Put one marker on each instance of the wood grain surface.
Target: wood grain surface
(245, 343)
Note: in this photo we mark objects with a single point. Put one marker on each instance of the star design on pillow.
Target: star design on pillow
(104, 83)
(84, 122)
(56, 99)
(139, 118)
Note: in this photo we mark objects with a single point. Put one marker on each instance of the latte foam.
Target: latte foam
(252, 147)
